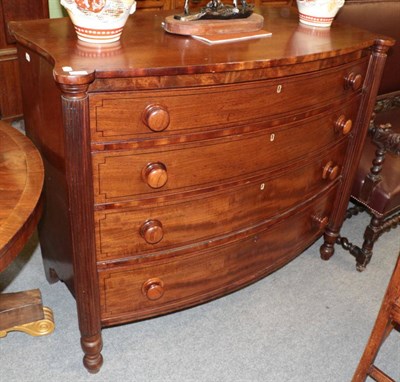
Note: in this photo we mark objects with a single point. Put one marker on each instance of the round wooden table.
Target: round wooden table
(21, 182)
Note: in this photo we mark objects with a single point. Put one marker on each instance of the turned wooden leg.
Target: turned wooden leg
(92, 346)
(362, 260)
(327, 248)
(371, 234)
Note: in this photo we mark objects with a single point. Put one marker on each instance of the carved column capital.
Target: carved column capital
(74, 91)
(383, 45)
(74, 85)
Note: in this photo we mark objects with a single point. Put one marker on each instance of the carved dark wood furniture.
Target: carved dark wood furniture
(10, 94)
(21, 182)
(177, 172)
(388, 318)
(376, 188)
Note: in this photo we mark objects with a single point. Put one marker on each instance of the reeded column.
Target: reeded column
(78, 169)
(370, 91)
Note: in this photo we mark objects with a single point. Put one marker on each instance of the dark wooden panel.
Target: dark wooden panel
(10, 93)
(22, 10)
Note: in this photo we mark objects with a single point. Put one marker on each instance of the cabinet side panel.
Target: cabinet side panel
(10, 96)
(43, 122)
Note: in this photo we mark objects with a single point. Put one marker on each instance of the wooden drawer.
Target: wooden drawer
(124, 175)
(168, 225)
(148, 288)
(166, 112)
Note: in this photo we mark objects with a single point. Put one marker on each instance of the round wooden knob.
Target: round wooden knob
(152, 231)
(155, 175)
(344, 125)
(156, 117)
(330, 171)
(353, 81)
(153, 288)
(320, 221)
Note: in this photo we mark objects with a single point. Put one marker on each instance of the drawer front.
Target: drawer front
(155, 287)
(124, 175)
(163, 226)
(163, 112)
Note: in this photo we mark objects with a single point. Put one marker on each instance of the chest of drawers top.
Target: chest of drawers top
(148, 57)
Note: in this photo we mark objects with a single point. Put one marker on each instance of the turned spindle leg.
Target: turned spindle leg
(92, 346)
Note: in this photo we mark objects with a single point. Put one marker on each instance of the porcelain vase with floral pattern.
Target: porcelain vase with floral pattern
(318, 13)
(99, 21)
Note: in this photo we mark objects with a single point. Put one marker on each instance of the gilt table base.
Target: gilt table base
(24, 312)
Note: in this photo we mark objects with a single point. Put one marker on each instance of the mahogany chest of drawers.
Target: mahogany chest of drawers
(177, 172)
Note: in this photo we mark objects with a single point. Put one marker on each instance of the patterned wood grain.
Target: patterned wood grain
(21, 182)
